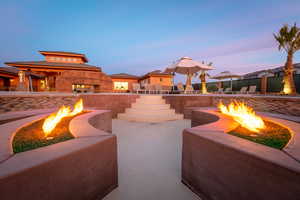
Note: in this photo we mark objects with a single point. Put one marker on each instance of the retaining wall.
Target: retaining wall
(117, 103)
(275, 104)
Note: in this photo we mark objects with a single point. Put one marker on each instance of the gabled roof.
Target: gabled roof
(53, 65)
(64, 53)
(14, 71)
(124, 75)
(156, 73)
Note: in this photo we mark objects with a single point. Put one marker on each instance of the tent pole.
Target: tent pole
(231, 84)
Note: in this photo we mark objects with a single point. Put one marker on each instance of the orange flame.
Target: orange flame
(51, 122)
(244, 115)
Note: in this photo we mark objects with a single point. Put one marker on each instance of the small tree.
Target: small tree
(202, 76)
(288, 39)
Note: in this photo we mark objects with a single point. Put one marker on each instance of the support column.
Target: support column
(263, 84)
(21, 85)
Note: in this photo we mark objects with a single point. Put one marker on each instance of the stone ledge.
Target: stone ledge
(81, 168)
(221, 166)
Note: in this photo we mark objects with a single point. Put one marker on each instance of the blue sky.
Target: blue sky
(139, 36)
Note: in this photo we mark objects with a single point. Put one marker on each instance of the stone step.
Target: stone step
(150, 97)
(154, 112)
(150, 106)
(149, 118)
(150, 101)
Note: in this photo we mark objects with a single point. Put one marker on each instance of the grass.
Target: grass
(32, 136)
(273, 135)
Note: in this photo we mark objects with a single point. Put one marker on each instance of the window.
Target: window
(161, 79)
(120, 85)
(43, 84)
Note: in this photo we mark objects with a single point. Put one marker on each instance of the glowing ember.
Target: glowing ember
(244, 115)
(53, 119)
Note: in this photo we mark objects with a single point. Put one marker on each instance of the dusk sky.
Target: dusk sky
(140, 36)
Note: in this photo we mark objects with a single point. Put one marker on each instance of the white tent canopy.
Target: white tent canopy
(226, 75)
(186, 65)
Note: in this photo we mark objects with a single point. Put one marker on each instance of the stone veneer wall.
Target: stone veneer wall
(114, 102)
(66, 78)
(274, 104)
(29, 102)
(117, 103)
(182, 102)
(280, 105)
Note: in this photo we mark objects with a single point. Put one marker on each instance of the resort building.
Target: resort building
(157, 77)
(123, 82)
(60, 71)
(10, 80)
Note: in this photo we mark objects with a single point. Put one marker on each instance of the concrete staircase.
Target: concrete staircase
(150, 108)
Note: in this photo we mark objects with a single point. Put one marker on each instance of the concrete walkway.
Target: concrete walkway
(150, 161)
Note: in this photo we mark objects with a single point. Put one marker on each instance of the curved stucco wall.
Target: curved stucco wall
(216, 165)
(81, 168)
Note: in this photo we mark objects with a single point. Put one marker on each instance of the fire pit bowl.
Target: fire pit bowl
(81, 168)
(217, 165)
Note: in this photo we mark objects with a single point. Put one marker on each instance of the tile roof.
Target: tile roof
(156, 72)
(124, 75)
(65, 53)
(14, 71)
(54, 64)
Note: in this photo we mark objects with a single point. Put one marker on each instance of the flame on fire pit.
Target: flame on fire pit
(53, 119)
(244, 115)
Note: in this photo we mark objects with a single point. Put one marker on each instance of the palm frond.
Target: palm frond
(288, 38)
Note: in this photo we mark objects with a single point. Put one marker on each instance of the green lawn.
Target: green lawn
(274, 135)
(32, 136)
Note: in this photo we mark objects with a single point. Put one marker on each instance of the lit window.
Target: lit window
(43, 84)
(120, 85)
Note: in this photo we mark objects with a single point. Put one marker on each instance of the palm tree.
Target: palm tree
(288, 39)
(202, 77)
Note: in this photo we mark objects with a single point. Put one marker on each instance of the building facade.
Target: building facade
(157, 77)
(62, 72)
(12, 79)
(123, 82)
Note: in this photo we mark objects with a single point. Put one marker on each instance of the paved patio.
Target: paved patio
(150, 161)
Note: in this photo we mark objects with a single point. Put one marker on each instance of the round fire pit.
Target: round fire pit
(52, 172)
(217, 165)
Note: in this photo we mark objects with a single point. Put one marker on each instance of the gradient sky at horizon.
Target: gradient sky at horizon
(140, 36)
